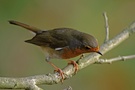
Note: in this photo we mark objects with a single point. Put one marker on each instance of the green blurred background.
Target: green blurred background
(19, 59)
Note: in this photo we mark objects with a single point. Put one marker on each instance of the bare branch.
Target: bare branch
(106, 27)
(119, 58)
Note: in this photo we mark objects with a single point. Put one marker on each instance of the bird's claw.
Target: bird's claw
(60, 73)
(75, 65)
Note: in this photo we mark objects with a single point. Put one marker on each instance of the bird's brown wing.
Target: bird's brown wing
(47, 40)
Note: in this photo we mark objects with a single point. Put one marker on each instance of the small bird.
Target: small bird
(61, 43)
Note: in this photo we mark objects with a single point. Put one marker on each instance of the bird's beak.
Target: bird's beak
(99, 53)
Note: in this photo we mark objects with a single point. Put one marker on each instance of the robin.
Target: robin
(62, 43)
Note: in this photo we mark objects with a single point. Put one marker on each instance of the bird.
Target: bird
(61, 43)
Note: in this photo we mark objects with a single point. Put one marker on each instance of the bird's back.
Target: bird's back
(56, 38)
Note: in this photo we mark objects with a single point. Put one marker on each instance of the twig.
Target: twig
(106, 27)
(119, 58)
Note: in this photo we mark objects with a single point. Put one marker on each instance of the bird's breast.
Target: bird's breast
(68, 53)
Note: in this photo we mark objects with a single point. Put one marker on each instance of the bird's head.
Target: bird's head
(90, 44)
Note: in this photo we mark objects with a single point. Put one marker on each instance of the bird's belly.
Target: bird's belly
(50, 53)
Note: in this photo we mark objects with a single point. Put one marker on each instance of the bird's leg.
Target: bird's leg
(74, 64)
(82, 56)
(57, 70)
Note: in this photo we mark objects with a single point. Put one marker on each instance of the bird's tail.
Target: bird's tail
(31, 28)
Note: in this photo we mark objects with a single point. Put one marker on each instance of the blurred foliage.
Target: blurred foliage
(18, 59)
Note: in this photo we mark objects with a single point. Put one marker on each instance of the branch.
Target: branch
(30, 83)
(119, 58)
(106, 27)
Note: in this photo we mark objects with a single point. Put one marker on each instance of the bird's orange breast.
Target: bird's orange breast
(67, 53)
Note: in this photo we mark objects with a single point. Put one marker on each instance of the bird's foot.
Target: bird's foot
(75, 65)
(60, 73)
